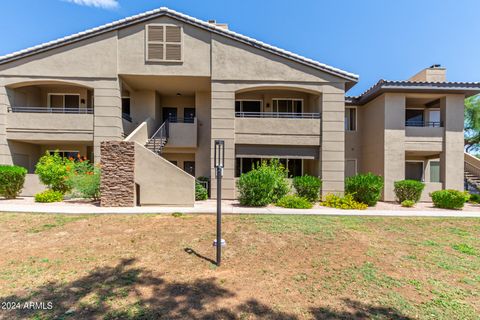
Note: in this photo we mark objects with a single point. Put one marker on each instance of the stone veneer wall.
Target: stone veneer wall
(118, 174)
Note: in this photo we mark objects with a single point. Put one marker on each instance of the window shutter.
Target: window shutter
(164, 43)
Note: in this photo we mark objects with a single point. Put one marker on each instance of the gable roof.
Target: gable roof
(163, 11)
(468, 88)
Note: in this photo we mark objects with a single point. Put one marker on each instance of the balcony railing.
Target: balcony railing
(283, 115)
(174, 119)
(430, 124)
(127, 117)
(50, 110)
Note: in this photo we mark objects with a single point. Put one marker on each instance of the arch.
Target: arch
(40, 82)
(282, 87)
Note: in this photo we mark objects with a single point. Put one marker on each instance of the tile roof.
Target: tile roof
(185, 18)
(396, 85)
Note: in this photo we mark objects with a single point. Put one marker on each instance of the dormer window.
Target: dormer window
(164, 43)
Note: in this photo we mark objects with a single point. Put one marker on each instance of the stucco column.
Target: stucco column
(394, 143)
(4, 150)
(452, 159)
(223, 128)
(332, 153)
(107, 114)
(202, 156)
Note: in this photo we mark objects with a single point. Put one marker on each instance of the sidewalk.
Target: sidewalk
(27, 205)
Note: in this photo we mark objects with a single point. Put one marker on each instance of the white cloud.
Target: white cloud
(106, 4)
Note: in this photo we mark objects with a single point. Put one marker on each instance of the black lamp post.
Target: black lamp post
(219, 157)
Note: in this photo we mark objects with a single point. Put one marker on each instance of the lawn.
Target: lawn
(274, 267)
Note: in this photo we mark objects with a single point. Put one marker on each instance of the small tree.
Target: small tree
(53, 171)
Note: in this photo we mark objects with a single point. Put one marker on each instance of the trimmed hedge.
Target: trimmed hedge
(294, 202)
(365, 188)
(49, 196)
(408, 190)
(12, 179)
(263, 185)
(474, 198)
(308, 187)
(449, 199)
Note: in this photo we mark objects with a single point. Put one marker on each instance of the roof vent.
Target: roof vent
(212, 21)
(434, 66)
(219, 25)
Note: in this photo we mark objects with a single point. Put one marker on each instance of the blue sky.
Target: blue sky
(373, 38)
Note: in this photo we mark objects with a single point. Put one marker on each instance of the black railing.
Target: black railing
(127, 117)
(431, 124)
(283, 115)
(50, 110)
(174, 119)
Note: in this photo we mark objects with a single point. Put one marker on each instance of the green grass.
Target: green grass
(465, 248)
(57, 221)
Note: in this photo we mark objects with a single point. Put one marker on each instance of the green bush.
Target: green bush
(346, 202)
(408, 203)
(474, 198)
(200, 192)
(449, 199)
(294, 202)
(408, 190)
(53, 171)
(308, 187)
(49, 196)
(86, 185)
(12, 179)
(365, 188)
(264, 184)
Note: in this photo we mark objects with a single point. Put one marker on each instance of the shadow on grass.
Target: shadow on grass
(127, 292)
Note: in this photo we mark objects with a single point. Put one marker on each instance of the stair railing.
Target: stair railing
(160, 137)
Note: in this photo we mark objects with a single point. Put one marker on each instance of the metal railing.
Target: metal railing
(50, 110)
(159, 138)
(174, 119)
(127, 117)
(283, 115)
(431, 124)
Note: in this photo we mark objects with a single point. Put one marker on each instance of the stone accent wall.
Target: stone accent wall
(118, 174)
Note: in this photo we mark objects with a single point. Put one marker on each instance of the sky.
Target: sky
(376, 39)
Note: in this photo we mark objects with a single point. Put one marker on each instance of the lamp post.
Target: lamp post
(219, 157)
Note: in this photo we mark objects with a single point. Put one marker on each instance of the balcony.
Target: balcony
(272, 128)
(47, 124)
(182, 132)
(424, 135)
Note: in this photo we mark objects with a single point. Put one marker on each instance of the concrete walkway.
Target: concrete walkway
(27, 205)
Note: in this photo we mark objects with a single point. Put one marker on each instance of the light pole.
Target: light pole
(219, 157)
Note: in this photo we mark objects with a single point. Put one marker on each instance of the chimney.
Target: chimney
(219, 25)
(434, 73)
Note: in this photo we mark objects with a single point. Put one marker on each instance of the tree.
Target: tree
(472, 124)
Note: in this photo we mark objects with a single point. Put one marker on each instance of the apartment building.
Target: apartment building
(170, 85)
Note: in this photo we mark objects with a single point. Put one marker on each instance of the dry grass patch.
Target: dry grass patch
(274, 267)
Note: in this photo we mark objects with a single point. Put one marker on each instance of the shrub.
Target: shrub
(408, 203)
(449, 199)
(86, 185)
(53, 171)
(263, 185)
(49, 196)
(474, 198)
(308, 187)
(408, 190)
(201, 192)
(346, 202)
(12, 179)
(294, 202)
(365, 188)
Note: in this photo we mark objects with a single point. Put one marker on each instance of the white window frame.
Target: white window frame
(63, 95)
(241, 104)
(288, 99)
(164, 42)
(423, 168)
(356, 164)
(356, 119)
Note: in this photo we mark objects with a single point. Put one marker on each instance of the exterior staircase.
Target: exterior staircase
(472, 172)
(159, 139)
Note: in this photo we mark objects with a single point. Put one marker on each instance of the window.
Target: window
(434, 118)
(244, 165)
(174, 162)
(62, 101)
(287, 105)
(350, 119)
(248, 106)
(126, 108)
(434, 171)
(66, 153)
(414, 118)
(164, 43)
(189, 115)
(414, 170)
(189, 167)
